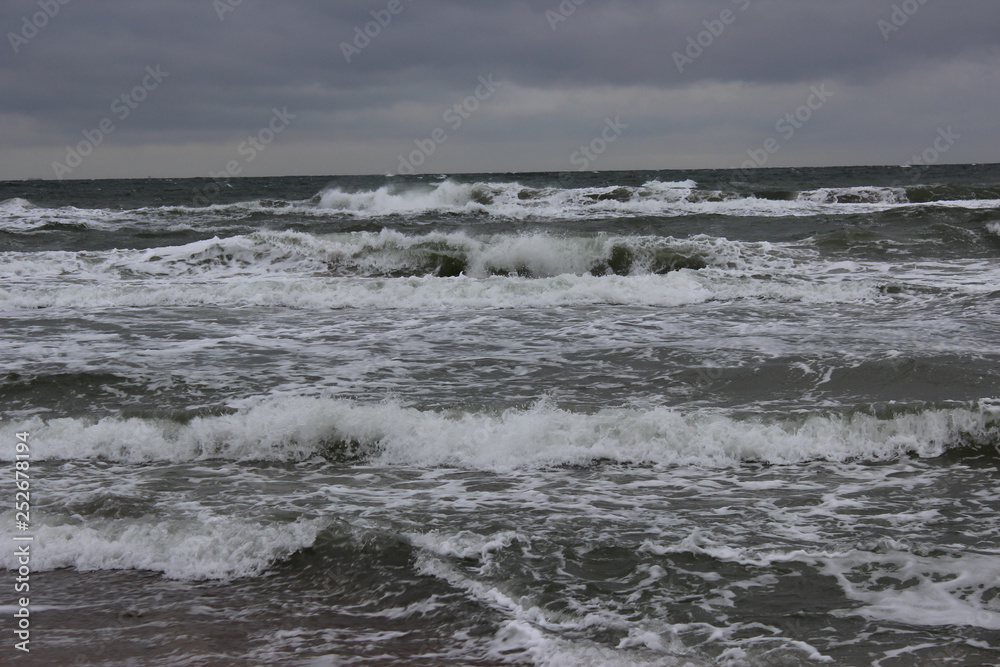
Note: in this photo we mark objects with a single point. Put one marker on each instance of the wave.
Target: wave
(855, 195)
(543, 435)
(433, 293)
(653, 198)
(394, 254)
(20, 215)
(512, 200)
(930, 193)
(391, 270)
(909, 196)
(191, 548)
(16, 213)
(946, 587)
(502, 200)
(930, 237)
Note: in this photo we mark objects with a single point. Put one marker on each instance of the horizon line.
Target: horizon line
(504, 172)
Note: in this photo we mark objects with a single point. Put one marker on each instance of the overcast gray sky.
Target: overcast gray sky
(669, 84)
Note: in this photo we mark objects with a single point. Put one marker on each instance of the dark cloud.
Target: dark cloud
(563, 72)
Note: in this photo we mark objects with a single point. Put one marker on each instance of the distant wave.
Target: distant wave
(511, 200)
(653, 198)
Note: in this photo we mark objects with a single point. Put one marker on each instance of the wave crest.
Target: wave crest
(393, 254)
(505, 200)
(856, 195)
(293, 429)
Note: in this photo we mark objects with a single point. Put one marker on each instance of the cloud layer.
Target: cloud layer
(697, 83)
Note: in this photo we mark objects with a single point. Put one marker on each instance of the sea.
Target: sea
(702, 417)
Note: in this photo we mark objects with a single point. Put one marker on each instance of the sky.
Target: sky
(188, 88)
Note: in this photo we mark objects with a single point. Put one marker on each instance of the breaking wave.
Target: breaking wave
(507, 200)
(294, 429)
(394, 254)
(394, 270)
(189, 548)
(856, 195)
(653, 198)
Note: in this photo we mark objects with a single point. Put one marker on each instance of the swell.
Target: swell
(63, 391)
(914, 233)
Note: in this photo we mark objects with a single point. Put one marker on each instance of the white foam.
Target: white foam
(504, 200)
(15, 206)
(930, 591)
(254, 254)
(430, 293)
(297, 428)
(447, 196)
(535, 633)
(464, 544)
(388, 251)
(856, 195)
(509, 199)
(258, 253)
(892, 582)
(516, 201)
(298, 270)
(522, 638)
(20, 215)
(392, 270)
(207, 547)
(397, 294)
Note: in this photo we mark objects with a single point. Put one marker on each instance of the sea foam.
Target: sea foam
(220, 547)
(291, 429)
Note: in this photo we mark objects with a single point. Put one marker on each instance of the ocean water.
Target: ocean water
(619, 418)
